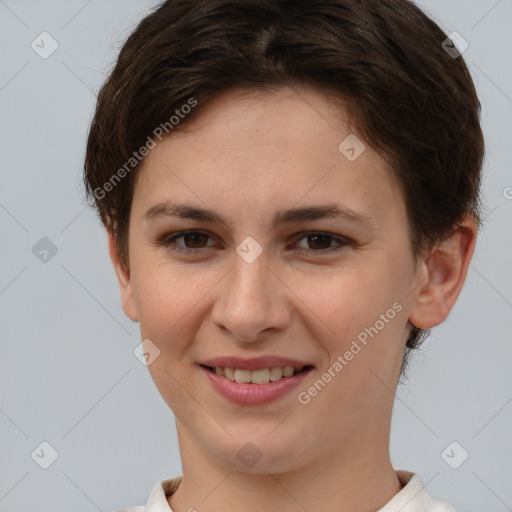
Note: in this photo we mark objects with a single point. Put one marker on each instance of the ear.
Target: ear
(441, 275)
(123, 278)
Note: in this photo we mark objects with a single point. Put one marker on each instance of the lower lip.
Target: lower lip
(254, 394)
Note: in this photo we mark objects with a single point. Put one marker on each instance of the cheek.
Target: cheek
(168, 301)
(359, 317)
(165, 294)
(348, 300)
(365, 348)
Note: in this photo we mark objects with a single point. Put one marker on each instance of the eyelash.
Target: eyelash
(167, 241)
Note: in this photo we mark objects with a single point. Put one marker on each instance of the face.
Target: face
(328, 292)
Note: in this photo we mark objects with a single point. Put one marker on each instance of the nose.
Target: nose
(252, 301)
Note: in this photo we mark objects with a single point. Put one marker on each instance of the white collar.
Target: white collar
(412, 498)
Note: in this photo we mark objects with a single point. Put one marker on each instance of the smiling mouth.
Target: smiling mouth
(262, 376)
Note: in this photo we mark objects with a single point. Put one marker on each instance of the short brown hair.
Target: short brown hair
(410, 99)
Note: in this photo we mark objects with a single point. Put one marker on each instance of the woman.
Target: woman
(291, 195)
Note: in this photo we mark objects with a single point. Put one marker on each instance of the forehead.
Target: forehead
(263, 152)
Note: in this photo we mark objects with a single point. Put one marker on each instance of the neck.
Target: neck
(356, 477)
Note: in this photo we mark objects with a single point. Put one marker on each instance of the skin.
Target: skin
(247, 156)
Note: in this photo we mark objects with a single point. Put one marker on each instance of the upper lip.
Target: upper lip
(254, 363)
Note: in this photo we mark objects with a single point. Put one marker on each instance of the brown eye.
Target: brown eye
(193, 240)
(321, 243)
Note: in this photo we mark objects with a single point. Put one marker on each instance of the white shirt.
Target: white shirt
(412, 498)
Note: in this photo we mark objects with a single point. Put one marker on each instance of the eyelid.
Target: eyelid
(342, 241)
(338, 238)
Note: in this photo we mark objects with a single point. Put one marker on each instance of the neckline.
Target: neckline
(412, 487)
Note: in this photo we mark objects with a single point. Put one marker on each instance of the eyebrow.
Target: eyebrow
(308, 213)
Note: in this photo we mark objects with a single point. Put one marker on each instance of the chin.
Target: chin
(257, 454)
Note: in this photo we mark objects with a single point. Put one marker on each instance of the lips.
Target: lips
(243, 393)
(256, 380)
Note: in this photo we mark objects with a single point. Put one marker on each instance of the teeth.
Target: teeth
(260, 376)
(276, 373)
(263, 376)
(242, 376)
(288, 371)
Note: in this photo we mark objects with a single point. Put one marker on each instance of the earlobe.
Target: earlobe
(442, 274)
(124, 281)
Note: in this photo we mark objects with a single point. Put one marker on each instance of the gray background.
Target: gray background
(68, 375)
